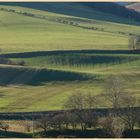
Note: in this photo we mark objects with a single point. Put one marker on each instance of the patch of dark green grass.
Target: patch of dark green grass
(74, 58)
(96, 133)
(10, 134)
(80, 59)
(20, 75)
(61, 52)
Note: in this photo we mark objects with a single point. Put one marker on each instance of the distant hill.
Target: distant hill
(123, 3)
(114, 9)
(94, 10)
(134, 6)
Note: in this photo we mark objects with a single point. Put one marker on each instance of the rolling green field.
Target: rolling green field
(68, 54)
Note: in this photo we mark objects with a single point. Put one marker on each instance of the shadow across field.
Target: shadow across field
(97, 133)
(11, 134)
(30, 76)
(76, 134)
(58, 52)
(102, 112)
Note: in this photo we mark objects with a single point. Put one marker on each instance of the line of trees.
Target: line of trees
(81, 114)
(23, 13)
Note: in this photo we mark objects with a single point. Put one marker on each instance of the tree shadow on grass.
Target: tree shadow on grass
(61, 52)
(28, 76)
(75, 134)
(96, 133)
(132, 134)
(10, 134)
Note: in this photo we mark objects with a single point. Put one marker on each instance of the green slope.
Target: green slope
(91, 10)
(20, 32)
(48, 77)
(24, 33)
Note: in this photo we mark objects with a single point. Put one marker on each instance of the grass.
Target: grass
(50, 96)
(75, 60)
(90, 63)
(23, 33)
(75, 10)
(14, 135)
(49, 77)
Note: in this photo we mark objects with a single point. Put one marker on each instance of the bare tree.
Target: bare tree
(90, 119)
(137, 43)
(70, 119)
(80, 101)
(130, 113)
(4, 126)
(82, 106)
(131, 44)
(43, 123)
(75, 101)
(90, 101)
(90, 116)
(134, 43)
(112, 126)
(138, 119)
(59, 121)
(138, 113)
(114, 90)
(119, 98)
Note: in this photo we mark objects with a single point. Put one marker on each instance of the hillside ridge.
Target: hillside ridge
(86, 10)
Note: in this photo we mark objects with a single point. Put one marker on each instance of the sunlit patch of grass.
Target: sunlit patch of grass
(45, 82)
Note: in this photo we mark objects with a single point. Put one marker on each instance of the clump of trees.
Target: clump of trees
(113, 126)
(80, 112)
(4, 126)
(129, 116)
(122, 103)
(61, 20)
(79, 115)
(23, 13)
(82, 105)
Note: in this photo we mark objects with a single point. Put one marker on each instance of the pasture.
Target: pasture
(62, 55)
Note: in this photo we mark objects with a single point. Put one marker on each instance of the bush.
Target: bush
(4, 126)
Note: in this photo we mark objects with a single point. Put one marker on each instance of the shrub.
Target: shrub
(4, 126)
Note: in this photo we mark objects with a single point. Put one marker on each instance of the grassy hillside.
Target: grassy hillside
(24, 33)
(93, 10)
(63, 55)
